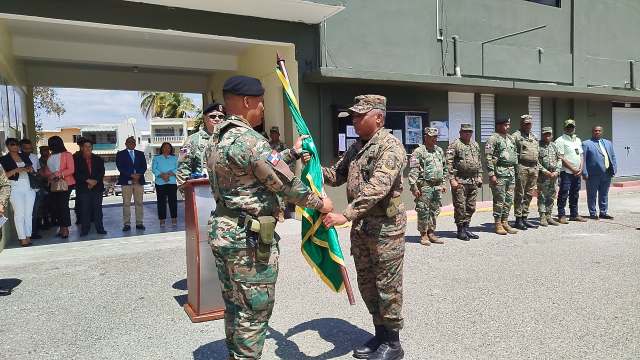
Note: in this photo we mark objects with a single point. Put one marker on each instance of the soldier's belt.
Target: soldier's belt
(525, 162)
(431, 182)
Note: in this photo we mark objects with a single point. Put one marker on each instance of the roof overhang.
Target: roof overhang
(308, 12)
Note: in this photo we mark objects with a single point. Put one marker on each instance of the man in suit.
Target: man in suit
(132, 165)
(89, 187)
(600, 167)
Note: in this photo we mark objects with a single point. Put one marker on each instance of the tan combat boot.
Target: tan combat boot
(543, 220)
(508, 228)
(552, 221)
(433, 238)
(424, 239)
(499, 229)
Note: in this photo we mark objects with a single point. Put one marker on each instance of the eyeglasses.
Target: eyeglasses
(213, 117)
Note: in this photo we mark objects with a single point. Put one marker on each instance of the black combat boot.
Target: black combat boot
(462, 235)
(390, 348)
(364, 351)
(528, 224)
(469, 233)
(519, 224)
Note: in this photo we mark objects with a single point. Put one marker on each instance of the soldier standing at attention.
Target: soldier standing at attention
(500, 151)
(246, 177)
(372, 168)
(275, 142)
(190, 160)
(465, 176)
(426, 176)
(550, 166)
(526, 171)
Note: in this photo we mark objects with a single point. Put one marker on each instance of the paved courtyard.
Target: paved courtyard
(569, 292)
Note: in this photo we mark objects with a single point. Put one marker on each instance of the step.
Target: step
(624, 184)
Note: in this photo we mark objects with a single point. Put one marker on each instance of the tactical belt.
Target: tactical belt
(241, 219)
(431, 182)
(529, 163)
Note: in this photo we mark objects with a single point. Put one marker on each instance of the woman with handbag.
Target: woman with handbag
(19, 169)
(59, 171)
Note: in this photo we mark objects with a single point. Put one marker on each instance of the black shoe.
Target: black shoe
(390, 349)
(84, 233)
(519, 224)
(461, 234)
(469, 233)
(36, 236)
(140, 227)
(126, 228)
(365, 350)
(606, 217)
(528, 224)
(594, 217)
(101, 232)
(5, 292)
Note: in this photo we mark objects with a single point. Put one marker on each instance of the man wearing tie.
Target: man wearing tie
(600, 167)
(132, 165)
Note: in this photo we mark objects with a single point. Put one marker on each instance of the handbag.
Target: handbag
(59, 185)
(34, 181)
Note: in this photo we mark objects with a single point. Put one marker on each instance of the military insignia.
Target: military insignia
(274, 158)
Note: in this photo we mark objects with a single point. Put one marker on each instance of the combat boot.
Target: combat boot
(552, 221)
(507, 228)
(499, 228)
(543, 220)
(390, 349)
(368, 348)
(433, 238)
(461, 234)
(519, 224)
(528, 224)
(563, 220)
(424, 239)
(469, 233)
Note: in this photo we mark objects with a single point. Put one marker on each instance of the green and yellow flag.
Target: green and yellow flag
(319, 245)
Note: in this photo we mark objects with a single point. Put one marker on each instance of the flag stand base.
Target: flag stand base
(196, 318)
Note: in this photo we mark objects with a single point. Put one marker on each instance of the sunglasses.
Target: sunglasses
(213, 117)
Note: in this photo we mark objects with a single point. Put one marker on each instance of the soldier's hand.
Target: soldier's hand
(1, 210)
(554, 174)
(417, 193)
(297, 146)
(327, 205)
(305, 158)
(443, 189)
(333, 219)
(454, 184)
(494, 180)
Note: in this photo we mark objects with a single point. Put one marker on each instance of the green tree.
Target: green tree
(46, 101)
(166, 105)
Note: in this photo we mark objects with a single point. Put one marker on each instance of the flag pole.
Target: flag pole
(343, 270)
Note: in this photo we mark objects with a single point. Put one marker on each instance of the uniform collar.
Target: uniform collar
(373, 140)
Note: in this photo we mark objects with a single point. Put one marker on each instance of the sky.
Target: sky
(85, 106)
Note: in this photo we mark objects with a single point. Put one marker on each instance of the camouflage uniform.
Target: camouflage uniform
(501, 156)
(526, 170)
(465, 166)
(550, 162)
(190, 160)
(426, 175)
(373, 173)
(5, 193)
(246, 175)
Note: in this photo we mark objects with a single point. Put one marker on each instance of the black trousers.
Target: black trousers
(90, 210)
(168, 192)
(59, 206)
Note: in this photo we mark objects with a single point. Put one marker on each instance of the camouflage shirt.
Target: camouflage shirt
(463, 162)
(373, 173)
(500, 152)
(426, 167)
(550, 159)
(191, 155)
(5, 192)
(247, 177)
(527, 147)
(277, 146)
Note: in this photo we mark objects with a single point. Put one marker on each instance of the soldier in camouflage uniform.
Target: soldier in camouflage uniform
(190, 160)
(426, 176)
(550, 167)
(5, 192)
(465, 176)
(275, 142)
(501, 156)
(372, 168)
(526, 171)
(246, 175)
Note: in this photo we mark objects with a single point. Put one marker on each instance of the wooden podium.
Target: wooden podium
(204, 300)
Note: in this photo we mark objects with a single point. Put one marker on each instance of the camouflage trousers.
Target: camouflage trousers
(464, 202)
(428, 207)
(248, 290)
(526, 181)
(502, 197)
(547, 191)
(379, 260)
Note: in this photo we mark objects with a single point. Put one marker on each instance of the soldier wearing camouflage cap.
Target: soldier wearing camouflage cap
(550, 167)
(526, 171)
(426, 177)
(372, 169)
(274, 139)
(501, 155)
(464, 166)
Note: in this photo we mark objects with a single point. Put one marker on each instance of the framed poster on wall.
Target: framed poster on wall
(12, 107)
(413, 129)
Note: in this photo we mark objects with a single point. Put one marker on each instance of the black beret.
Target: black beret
(243, 85)
(502, 120)
(214, 107)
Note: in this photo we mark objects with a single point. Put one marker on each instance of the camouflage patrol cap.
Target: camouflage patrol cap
(466, 127)
(365, 103)
(431, 131)
(275, 129)
(526, 119)
(547, 129)
(569, 122)
(502, 120)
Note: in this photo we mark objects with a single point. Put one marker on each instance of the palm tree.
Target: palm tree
(166, 105)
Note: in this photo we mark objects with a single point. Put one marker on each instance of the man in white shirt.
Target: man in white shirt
(570, 148)
(26, 147)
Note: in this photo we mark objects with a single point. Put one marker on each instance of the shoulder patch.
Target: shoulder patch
(274, 158)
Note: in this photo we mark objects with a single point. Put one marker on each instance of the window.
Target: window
(555, 3)
(76, 138)
(535, 110)
(487, 116)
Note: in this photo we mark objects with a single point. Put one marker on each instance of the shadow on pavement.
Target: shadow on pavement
(180, 285)
(9, 284)
(337, 332)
